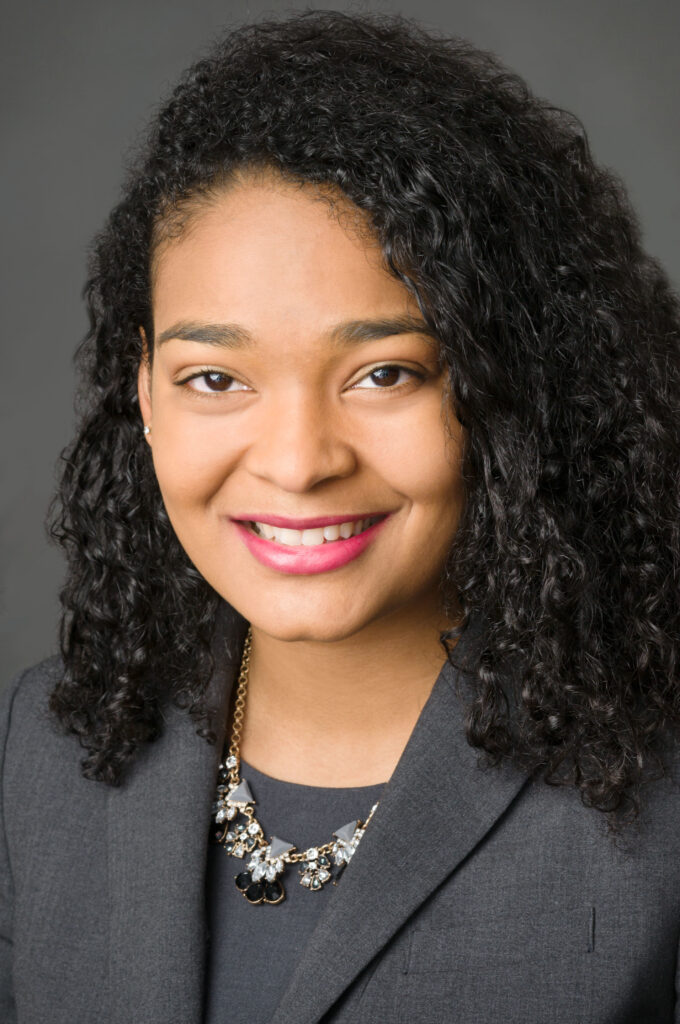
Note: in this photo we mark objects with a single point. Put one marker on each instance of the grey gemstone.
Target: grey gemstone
(241, 794)
(346, 832)
(279, 847)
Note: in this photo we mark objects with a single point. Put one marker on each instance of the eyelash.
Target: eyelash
(185, 382)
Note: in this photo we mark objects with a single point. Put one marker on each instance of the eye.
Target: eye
(211, 382)
(386, 378)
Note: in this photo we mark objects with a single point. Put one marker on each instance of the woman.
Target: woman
(372, 519)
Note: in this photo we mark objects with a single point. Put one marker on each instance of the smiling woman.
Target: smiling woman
(371, 613)
(313, 394)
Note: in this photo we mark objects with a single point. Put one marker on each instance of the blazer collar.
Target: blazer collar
(438, 787)
(158, 823)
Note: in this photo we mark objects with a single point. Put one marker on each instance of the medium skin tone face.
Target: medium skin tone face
(288, 413)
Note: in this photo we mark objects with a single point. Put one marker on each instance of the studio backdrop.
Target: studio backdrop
(80, 81)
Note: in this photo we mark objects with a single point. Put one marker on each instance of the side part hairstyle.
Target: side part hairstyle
(559, 336)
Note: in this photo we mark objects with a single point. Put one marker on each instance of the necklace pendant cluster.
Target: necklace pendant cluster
(236, 828)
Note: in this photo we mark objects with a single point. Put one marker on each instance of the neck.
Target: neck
(339, 713)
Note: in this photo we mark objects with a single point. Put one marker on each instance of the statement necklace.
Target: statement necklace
(261, 882)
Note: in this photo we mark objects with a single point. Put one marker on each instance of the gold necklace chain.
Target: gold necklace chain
(261, 882)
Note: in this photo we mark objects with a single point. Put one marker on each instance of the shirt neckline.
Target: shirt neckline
(254, 773)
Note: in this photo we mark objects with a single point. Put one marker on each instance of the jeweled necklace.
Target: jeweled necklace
(260, 882)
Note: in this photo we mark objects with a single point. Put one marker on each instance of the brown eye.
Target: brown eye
(386, 376)
(213, 382)
(216, 381)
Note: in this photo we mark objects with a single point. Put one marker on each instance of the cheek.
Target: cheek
(190, 465)
(422, 462)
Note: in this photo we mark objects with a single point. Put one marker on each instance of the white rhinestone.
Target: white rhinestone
(231, 812)
(231, 761)
(312, 853)
(324, 875)
(259, 872)
(253, 828)
(271, 872)
(221, 814)
(306, 880)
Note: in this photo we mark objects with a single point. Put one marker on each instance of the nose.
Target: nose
(298, 443)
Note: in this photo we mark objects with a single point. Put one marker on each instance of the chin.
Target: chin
(318, 624)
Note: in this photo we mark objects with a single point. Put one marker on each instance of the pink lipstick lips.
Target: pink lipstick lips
(306, 560)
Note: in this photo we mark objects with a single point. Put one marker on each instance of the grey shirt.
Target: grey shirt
(253, 949)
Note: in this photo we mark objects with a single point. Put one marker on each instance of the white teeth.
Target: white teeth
(310, 538)
(291, 537)
(314, 537)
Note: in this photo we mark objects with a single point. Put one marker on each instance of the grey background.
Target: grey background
(80, 79)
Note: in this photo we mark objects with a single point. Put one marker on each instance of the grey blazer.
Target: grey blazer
(475, 896)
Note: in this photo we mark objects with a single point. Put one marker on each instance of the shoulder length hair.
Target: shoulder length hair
(560, 339)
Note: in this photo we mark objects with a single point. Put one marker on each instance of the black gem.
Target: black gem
(323, 861)
(273, 892)
(243, 881)
(217, 831)
(255, 892)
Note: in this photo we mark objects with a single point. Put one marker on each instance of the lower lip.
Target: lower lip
(307, 560)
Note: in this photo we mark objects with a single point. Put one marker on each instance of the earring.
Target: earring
(147, 430)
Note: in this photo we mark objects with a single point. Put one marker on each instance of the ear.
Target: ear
(144, 383)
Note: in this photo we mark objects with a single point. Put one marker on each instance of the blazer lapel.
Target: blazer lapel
(158, 827)
(158, 822)
(435, 809)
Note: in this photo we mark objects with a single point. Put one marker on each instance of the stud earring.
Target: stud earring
(147, 430)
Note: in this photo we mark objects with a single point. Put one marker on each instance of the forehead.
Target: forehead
(265, 248)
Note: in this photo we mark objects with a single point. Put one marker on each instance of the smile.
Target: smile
(313, 550)
(314, 537)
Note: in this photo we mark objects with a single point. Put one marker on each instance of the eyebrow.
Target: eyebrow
(351, 332)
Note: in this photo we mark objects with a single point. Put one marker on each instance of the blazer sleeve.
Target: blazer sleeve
(7, 1006)
(676, 1015)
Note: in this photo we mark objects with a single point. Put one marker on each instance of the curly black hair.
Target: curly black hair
(559, 335)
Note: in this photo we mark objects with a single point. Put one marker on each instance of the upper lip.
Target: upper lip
(307, 523)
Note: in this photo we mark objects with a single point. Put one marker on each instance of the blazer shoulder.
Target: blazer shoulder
(26, 695)
(29, 733)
